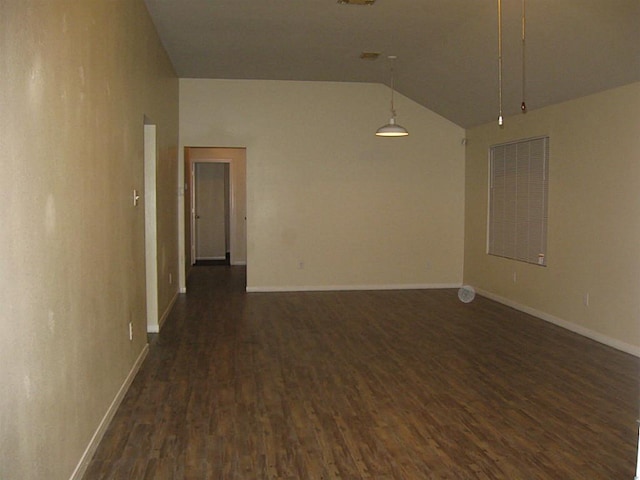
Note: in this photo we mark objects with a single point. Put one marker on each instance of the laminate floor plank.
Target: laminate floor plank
(368, 385)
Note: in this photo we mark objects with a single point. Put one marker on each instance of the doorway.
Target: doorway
(211, 198)
(233, 161)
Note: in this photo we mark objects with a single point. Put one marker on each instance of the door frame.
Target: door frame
(229, 199)
(233, 207)
(150, 228)
(238, 203)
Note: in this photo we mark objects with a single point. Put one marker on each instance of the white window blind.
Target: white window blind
(518, 200)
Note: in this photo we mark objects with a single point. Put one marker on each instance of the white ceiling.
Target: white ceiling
(447, 49)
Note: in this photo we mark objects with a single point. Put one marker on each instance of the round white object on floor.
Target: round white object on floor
(466, 294)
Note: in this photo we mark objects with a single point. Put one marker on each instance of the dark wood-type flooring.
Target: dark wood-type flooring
(369, 385)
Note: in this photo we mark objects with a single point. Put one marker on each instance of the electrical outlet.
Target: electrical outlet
(585, 299)
(130, 331)
(170, 279)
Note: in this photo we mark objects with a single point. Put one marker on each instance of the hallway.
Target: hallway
(368, 385)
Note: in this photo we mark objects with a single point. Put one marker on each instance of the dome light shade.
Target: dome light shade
(392, 129)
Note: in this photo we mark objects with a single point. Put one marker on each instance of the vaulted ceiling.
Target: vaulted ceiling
(447, 49)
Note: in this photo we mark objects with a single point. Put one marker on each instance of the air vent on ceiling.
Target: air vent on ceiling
(369, 55)
(356, 2)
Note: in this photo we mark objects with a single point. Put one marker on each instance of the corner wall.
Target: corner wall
(76, 81)
(329, 205)
(594, 217)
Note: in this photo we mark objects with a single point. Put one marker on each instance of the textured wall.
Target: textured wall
(76, 80)
(594, 216)
(328, 203)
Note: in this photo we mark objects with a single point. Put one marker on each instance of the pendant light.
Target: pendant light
(392, 129)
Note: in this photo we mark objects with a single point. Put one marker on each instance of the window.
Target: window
(518, 187)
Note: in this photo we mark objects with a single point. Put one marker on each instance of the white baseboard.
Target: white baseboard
(239, 263)
(167, 310)
(163, 317)
(337, 288)
(579, 329)
(108, 416)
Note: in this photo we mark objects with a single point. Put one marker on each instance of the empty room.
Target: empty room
(424, 262)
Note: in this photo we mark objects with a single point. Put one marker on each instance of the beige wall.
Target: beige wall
(594, 217)
(76, 79)
(328, 203)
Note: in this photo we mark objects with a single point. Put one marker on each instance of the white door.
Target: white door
(210, 218)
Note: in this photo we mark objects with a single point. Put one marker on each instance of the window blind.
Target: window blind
(518, 200)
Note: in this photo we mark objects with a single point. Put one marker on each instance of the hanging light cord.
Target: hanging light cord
(393, 63)
(523, 105)
(500, 121)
